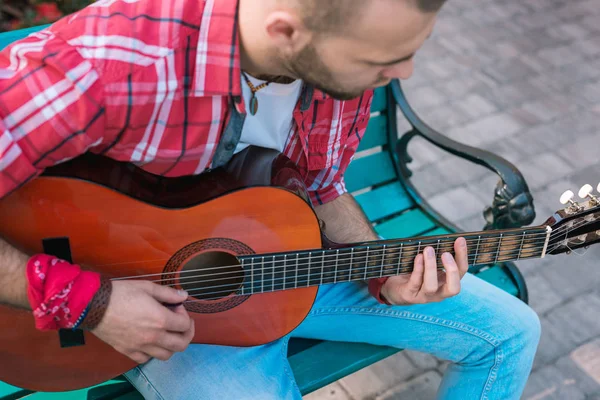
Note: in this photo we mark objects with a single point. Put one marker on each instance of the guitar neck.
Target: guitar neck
(377, 259)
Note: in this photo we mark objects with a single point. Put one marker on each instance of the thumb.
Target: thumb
(167, 294)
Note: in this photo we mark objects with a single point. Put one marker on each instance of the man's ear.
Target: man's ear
(287, 32)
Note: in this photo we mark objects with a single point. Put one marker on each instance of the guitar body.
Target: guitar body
(120, 221)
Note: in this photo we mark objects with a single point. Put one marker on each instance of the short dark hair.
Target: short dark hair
(333, 15)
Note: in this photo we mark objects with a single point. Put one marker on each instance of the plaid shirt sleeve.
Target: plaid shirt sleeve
(328, 184)
(50, 110)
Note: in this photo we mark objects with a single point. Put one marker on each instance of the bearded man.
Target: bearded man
(179, 87)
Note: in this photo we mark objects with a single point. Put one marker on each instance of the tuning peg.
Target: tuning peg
(598, 188)
(585, 191)
(567, 197)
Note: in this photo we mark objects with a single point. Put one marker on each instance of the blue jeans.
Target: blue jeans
(490, 336)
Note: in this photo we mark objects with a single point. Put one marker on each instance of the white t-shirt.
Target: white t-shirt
(271, 126)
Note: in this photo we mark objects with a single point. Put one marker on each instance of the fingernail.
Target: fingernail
(447, 257)
(462, 242)
(182, 293)
(430, 252)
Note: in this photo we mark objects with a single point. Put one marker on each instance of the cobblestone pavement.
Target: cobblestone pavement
(520, 78)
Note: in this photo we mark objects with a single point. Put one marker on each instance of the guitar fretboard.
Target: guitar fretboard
(282, 271)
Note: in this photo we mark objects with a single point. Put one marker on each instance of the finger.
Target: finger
(139, 357)
(158, 352)
(174, 342)
(177, 321)
(430, 280)
(416, 277)
(452, 285)
(167, 294)
(462, 255)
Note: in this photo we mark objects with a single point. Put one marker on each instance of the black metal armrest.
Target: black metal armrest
(513, 204)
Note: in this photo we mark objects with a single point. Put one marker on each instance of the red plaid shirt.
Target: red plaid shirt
(153, 83)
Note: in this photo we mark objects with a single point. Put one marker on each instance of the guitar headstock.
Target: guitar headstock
(578, 224)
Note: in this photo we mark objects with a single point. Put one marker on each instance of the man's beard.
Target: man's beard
(307, 66)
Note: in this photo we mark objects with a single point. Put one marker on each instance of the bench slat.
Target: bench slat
(411, 223)
(384, 201)
(376, 134)
(379, 102)
(369, 171)
(327, 362)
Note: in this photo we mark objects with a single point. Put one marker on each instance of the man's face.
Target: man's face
(379, 47)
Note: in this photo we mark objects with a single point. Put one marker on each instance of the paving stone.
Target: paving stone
(457, 204)
(486, 129)
(559, 56)
(333, 391)
(549, 383)
(592, 92)
(579, 370)
(574, 274)
(379, 377)
(542, 297)
(424, 154)
(423, 387)
(509, 70)
(544, 169)
(548, 108)
(444, 117)
(582, 152)
(422, 361)
(514, 94)
(473, 223)
(587, 359)
(589, 46)
(568, 30)
(424, 97)
(476, 106)
(566, 327)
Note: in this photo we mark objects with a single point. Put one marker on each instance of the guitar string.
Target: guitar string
(317, 260)
(349, 271)
(316, 274)
(541, 235)
(388, 248)
(297, 284)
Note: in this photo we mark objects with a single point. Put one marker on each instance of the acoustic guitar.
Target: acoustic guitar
(242, 239)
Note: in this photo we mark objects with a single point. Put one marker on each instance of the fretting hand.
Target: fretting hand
(426, 284)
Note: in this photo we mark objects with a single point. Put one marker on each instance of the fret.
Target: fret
(498, 251)
(252, 276)
(322, 265)
(351, 264)
(382, 261)
(337, 253)
(285, 267)
(243, 272)
(273, 276)
(308, 269)
(418, 252)
(366, 263)
(297, 268)
(477, 250)
(521, 245)
(400, 257)
(262, 281)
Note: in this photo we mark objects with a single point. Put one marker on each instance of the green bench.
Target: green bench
(381, 180)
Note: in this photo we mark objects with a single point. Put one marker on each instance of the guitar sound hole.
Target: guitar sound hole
(211, 275)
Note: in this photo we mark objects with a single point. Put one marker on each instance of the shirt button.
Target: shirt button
(229, 146)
